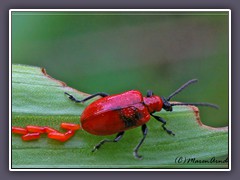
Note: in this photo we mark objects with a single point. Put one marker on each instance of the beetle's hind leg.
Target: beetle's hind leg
(118, 137)
(71, 97)
(163, 125)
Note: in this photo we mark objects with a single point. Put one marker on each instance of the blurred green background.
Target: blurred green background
(118, 51)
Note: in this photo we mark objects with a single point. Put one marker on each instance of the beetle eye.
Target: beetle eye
(166, 105)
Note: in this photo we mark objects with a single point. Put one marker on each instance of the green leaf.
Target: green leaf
(38, 99)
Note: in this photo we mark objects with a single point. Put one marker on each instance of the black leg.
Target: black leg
(164, 123)
(144, 131)
(118, 137)
(87, 98)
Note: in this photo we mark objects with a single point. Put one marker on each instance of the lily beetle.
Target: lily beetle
(114, 114)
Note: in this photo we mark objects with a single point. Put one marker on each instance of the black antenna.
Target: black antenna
(196, 104)
(181, 88)
(186, 103)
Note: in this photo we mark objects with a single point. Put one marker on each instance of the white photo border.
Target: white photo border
(115, 10)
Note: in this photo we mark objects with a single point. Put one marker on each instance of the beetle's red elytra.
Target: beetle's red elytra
(114, 114)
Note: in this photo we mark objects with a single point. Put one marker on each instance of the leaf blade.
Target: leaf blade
(38, 99)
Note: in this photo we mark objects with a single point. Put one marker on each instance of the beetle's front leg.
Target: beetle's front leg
(118, 137)
(163, 125)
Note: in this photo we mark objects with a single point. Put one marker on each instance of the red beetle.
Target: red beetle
(114, 114)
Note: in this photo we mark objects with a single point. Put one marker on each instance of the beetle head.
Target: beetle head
(166, 105)
(154, 102)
